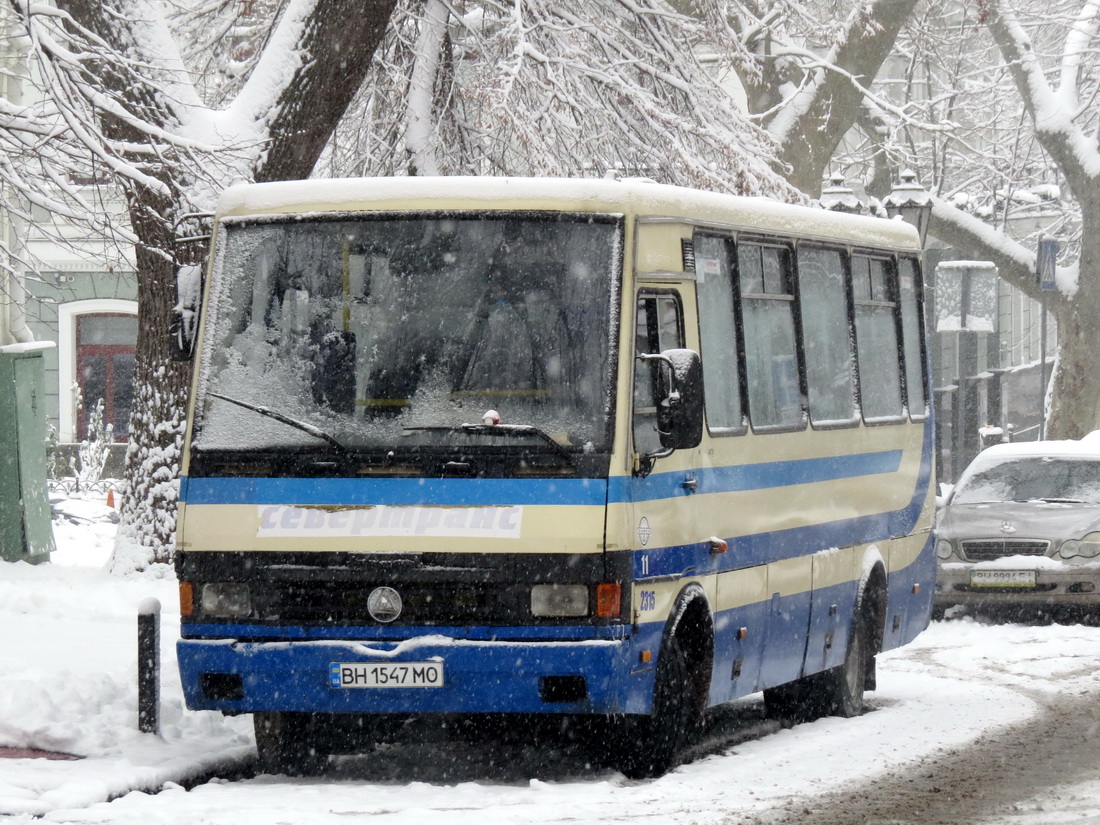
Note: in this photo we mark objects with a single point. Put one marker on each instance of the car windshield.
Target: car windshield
(1032, 478)
(382, 332)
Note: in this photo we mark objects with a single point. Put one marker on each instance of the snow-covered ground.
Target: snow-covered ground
(68, 664)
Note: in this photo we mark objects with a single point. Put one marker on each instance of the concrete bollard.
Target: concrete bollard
(149, 665)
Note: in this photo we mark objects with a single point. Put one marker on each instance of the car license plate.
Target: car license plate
(1002, 578)
(385, 675)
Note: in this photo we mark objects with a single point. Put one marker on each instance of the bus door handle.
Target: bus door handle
(691, 484)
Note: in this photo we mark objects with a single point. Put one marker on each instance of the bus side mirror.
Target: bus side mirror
(679, 398)
(184, 324)
(181, 333)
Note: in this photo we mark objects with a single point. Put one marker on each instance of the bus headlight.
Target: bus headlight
(559, 600)
(226, 599)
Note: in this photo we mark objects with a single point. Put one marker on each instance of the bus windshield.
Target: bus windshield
(383, 332)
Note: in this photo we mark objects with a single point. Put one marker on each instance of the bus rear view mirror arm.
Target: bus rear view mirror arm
(680, 399)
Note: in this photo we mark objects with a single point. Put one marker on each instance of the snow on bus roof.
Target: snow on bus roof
(562, 194)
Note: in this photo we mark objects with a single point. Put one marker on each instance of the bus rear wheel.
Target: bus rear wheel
(835, 692)
(840, 690)
(287, 743)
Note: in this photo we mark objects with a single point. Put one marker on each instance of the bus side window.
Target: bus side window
(715, 291)
(659, 326)
(827, 337)
(912, 337)
(771, 353)
(877, 346)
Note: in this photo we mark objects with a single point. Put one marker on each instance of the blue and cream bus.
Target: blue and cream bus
(601, 450)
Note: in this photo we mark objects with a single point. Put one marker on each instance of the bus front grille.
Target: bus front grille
(323, 603)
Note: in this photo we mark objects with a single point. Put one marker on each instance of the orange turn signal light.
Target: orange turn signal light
(187, 599)
(609, 600)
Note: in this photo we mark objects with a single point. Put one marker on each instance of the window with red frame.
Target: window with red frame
(105, 346)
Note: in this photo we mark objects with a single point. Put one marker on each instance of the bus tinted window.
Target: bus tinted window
(827, 339)
(908, 282)
(718, 333)
(876, 337)
(771, 360)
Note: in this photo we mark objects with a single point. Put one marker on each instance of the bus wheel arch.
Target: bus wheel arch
(650, 745)
(871, 606)
(691, 628)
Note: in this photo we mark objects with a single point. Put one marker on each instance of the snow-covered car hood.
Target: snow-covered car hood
(1025, 519)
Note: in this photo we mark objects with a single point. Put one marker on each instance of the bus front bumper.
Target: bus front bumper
(430, 674)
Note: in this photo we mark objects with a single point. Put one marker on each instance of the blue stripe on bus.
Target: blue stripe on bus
(763, 548)
(475, 492)
(455, 492)
(760, 548)
(763, 476)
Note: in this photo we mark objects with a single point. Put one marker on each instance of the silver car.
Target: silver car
(1022, 527)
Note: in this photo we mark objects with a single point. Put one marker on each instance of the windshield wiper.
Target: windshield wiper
(267, 412)
(506, 430)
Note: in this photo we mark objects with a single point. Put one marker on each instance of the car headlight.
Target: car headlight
(559, 600)
(944, 550)
(226, 599)
(1087, 548)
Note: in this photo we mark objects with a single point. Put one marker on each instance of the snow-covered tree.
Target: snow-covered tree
(123, 98)
(547, 87)
(808, 69)
(994, 103)
(1014, 89)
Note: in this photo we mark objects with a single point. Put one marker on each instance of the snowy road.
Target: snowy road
(973, 723)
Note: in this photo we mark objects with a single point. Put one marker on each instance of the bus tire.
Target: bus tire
(839, 692)
(834, 692)
(286, 744)
(649, 746)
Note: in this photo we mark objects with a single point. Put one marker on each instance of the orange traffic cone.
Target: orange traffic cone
(111, 497)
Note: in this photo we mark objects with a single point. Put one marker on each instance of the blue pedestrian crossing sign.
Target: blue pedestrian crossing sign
(1045, 262)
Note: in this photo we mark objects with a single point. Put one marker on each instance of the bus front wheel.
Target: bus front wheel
(648, 746)
(287, 743)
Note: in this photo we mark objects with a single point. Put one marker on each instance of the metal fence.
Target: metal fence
(72, 485)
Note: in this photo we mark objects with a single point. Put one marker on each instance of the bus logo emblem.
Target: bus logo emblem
(384, 604)
(644, 531)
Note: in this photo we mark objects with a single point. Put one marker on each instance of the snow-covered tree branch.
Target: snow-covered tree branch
(545, 87)
(117, 104)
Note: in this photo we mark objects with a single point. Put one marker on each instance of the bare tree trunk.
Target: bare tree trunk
(157, 421)
(812, 123)
(1075, 384)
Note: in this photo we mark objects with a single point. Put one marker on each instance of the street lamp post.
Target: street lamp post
(836, 197)
(911, 202)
